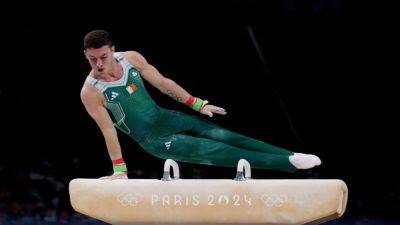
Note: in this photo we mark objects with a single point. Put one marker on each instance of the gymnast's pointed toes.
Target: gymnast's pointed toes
(304, 161)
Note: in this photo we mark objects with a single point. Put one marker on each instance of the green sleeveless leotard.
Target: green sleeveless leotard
(175, 135)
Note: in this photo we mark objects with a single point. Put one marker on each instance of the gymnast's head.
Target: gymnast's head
(99, 49)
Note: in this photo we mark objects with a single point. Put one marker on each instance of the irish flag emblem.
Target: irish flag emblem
(131, 88)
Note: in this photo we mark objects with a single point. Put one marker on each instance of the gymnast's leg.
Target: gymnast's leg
(174, 122)
(205, 129)
(191, 149)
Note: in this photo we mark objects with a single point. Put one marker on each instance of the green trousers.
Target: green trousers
(192, 139)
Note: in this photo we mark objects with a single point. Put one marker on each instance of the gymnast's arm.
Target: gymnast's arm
(166, 85)
(155, 78)
(93, 102)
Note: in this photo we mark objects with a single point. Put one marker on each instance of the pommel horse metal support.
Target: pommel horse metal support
(241, 200)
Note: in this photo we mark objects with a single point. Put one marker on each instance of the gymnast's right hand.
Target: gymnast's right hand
(115, 176)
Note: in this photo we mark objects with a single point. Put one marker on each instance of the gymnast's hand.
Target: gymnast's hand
(208, 109)
(115, 176)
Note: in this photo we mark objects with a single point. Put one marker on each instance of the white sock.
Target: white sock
(304, 161)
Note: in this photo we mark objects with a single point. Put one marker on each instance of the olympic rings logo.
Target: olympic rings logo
(274, 200)
(129, 199)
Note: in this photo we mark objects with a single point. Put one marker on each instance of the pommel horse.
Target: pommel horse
(241, 200)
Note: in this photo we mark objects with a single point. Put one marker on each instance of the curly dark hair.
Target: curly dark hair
(97, 39)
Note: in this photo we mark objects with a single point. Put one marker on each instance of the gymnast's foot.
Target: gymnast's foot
(304, 161)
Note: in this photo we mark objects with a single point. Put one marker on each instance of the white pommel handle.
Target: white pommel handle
(167, 166)
(243, 165)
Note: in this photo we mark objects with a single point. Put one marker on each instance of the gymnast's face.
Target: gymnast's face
(100, 59)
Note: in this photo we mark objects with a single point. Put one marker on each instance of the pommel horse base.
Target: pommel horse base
(209, 201)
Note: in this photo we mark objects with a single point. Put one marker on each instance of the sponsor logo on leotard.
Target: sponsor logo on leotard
(167, 145)
(114, 95)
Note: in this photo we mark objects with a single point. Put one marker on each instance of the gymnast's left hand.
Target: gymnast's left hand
(115, 176)
(209, 110)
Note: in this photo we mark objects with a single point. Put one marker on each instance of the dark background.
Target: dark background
(328, 89)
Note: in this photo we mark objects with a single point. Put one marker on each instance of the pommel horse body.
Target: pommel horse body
(241, 200)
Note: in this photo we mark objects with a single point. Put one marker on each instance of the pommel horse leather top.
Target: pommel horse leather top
(210, 201)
